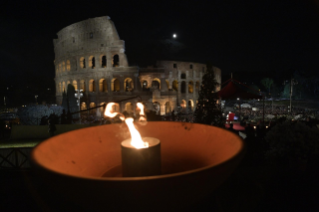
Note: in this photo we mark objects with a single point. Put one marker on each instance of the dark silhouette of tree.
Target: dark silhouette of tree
(267, 83)
(207, 110)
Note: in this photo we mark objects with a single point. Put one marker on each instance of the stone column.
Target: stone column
(163, 85)
(78, 63)
(137, 84)
(78, 82)
(97, 85)
(87, 85)
(109, 60)
(97, 61)
(122, 89)
(109, 83)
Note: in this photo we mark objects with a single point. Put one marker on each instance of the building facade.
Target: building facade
(90, 56)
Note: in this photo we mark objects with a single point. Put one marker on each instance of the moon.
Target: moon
(174, 35)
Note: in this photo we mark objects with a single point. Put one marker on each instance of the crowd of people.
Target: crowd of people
(276, 112)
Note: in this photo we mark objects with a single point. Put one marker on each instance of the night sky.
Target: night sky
(268, 37)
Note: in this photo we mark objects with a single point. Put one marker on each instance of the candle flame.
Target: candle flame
(136, 139)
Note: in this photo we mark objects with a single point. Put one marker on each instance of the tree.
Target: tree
(32, 114)
(267, 83)
(207, 111)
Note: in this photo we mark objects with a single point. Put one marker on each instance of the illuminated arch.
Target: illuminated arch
(93, 111)
(190, 87)
(128, 84)
(68, 65)
(175, 85)
(183, 103)
(102, 108)
(144, 85)
(63, 66)
(115, 86)
(60, 67)
(83, 106)
(92, 86)
(116, 61)
(168, 85)
(82, 62)
(92, 62)
(191, 103)
(75, 84)
(63, 87)
(168, 108)
(156, 83)
(129, 107)
(82, 85)
(102, 85)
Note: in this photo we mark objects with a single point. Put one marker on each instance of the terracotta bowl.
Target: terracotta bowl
(84, 166)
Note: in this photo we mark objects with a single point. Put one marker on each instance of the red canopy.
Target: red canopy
(234, 90)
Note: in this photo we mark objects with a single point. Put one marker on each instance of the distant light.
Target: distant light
(174, 35)
(237, 98)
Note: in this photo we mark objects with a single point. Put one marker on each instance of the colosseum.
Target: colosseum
(90, 56)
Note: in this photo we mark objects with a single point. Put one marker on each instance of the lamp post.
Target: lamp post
(292, 83)
(78, 94)
(238, 99)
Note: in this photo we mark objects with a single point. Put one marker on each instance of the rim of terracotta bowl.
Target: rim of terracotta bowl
(155, 177)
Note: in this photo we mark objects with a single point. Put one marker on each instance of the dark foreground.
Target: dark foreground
(250, 188)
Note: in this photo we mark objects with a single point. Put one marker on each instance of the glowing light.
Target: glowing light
(142, 118)
(136, 139)
(174, 35)
(110, 112)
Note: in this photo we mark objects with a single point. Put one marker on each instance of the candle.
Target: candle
(137, 162)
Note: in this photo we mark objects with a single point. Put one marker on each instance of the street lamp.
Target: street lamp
(292, 83)
(78, 95)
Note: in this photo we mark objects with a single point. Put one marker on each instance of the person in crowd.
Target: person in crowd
(231, 128)
(63, 117)
(52, 127)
